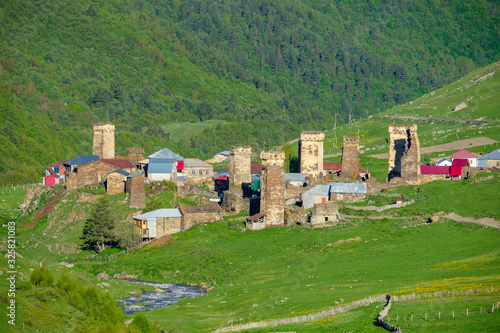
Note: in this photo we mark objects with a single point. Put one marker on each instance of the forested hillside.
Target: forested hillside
(264, 69)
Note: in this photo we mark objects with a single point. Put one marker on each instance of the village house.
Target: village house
(335, 168)
(163, 165)
(197, 172)
(464, 154)
(324, 214)
(192, 215)
(71, 165)
(122, 164)
(444, 162)
(90, 173)
(297, 179)
(456, 168)
(349, 192)
(317, 194)
(491, 160)
(429, 173)
(55, 174)
(158, 223)
(116, 181)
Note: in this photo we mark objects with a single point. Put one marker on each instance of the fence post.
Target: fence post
(426, 316)
(439, 315)
(467, 313)
(453, 314)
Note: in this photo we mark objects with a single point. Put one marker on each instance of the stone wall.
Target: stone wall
(293, 192)
(104, 140)
(404, 154)
(272, 187)
(239, 164)
(350, 157)
(136, 195)
(192, 215)
(348, 197)
(167, 226)
(115, 183)
(385, 312)
(233, 202)
(324, 213)
(311, 152)
(430, 178)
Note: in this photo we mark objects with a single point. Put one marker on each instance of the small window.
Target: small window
(207, 172)
(498, 163)
(193, 172)
(326, 218)
(201, 172)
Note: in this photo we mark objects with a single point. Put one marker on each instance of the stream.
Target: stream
(153, 300)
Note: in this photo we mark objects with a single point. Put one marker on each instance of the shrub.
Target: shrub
(42, 277)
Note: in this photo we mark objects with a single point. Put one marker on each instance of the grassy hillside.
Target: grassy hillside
(264, 71)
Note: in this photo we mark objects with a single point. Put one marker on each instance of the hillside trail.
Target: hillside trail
(46, 210)
(487, 221)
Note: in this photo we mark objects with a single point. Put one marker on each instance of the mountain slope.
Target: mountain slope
(266, 70)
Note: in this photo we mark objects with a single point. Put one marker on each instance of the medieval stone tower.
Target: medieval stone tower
(239, 164)
(311, 152)
(135, 192)
(104, 140)
(404, 154)
(350, 157)
(272, 187)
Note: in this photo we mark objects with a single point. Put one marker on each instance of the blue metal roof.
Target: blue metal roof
(494, 155)
(164, 212)
(166, 153)
(82, 159)
(161, 167)
(254, 178)
(122, 172)
(348, 187)
(318, 190)
(224, 153)
(296, 177)
(135, 175)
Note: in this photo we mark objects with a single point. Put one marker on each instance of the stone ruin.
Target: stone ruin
(350, 157)
(311, 153)
(404, 154)
(272, 187)
(239, 164)
(104, 140)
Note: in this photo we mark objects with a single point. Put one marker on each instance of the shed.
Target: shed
(255, 222)
(317, 194)
(116, 181)
(200, 214)
(49, 180)
(159, 222)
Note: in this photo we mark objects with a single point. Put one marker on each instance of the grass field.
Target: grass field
(187, 130)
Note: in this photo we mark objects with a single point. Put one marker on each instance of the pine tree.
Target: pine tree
(98, 230)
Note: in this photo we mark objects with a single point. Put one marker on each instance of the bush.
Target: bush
(42, 277)
(143, 324)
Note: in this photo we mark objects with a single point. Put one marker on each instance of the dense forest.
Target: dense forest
(266, 70)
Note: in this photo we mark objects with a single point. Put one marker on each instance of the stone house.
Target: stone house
(429, 173)
(158, 223)
(490, 160)
(90, 173)
(71, 165)
(116, 181)
(197, 172)
(297, 179)
(324, 214)
(123, 164)
(192, 215)
(349, 192)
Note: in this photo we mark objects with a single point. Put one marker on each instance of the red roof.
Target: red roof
(119, 163)
(255, 168)
(463, 154)
(434, 170)
(455, 171)
(459, 162)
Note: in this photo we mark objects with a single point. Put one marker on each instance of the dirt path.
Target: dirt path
(455, 145)
(441, 119)
(46, 210)
(487, 221)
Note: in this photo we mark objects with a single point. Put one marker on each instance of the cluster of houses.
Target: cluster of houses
(262, 190)
(461, 165)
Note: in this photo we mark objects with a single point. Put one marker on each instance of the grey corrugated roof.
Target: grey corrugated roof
(195, 163)
(164, 212)
(166, 153)
(166, 167)
(122, 172)
(135, 175)
(494, 155)
(82, 159)
(318, 190)
(254, 178)
(221, 174)
(348, 187)
(443, 160)
(296, 177)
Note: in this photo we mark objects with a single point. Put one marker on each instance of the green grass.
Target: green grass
(178, 131)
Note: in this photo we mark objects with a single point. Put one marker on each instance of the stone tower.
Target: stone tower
(239, 164)
(404, 154)
(135, 192)
(311, 152)
(104, 140)
(272, 187)
(350, 157)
